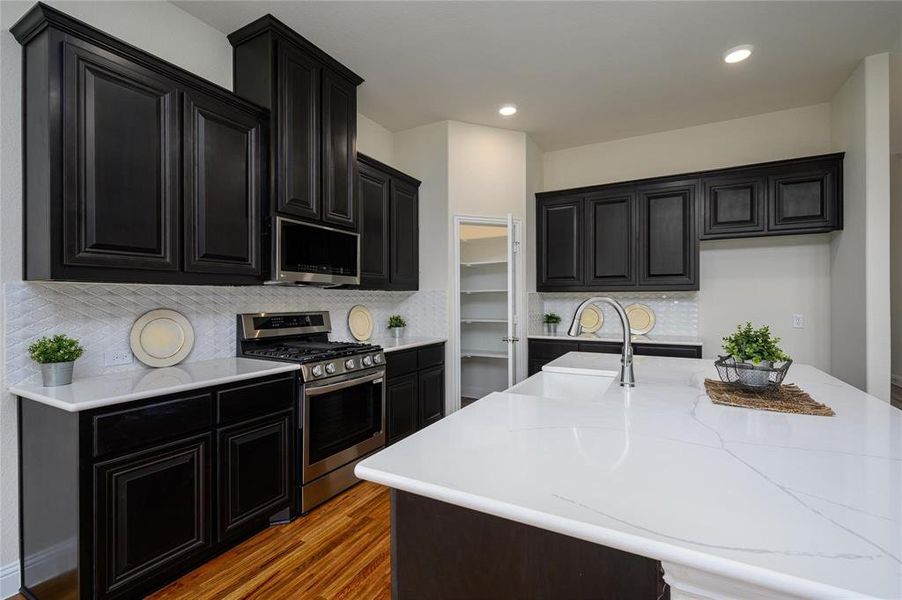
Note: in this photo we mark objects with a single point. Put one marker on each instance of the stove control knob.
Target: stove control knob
(349, 364)
(330, 368)
(318, 371)
(367, 361)
(377, 358)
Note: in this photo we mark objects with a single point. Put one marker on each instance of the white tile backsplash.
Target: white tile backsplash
(101, 316)
(676, 313)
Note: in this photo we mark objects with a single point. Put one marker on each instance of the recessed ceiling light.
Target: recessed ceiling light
(508, 110)
(737, 54)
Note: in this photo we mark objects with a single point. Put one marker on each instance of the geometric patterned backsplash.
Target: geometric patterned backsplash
(101, 316)
(676, 313)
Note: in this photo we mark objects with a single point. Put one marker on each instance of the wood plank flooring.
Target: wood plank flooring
(339, 550)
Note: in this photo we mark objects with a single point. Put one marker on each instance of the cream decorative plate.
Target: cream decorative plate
(161, 338)
(641, 317)
(360, 322)
(591, 320)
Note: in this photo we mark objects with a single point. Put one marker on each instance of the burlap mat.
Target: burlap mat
(785, 398)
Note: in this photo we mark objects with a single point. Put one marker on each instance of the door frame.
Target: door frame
(452, 400)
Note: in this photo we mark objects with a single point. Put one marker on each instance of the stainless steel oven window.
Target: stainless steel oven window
(376, 380)
(285, 276)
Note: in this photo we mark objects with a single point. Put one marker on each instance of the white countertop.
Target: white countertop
(675, 340)
(391, 344)
(126, 386)
(800, 505)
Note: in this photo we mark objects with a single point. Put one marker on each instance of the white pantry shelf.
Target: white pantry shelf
(465, 320)
(483, 291)
(483, 263)
(483, 354)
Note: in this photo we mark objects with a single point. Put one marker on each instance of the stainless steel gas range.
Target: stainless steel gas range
(341, 406)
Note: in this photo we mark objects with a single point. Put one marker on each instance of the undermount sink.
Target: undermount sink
(563, 386)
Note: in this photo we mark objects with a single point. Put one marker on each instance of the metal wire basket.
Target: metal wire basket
(750, 376)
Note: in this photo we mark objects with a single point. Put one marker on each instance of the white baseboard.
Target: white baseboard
(9, 579)
(896, 380)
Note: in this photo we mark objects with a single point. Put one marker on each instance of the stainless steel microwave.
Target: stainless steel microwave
(315, 254)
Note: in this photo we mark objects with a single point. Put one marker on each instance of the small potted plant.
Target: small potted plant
(57, 356)
(396, 324)
(551, 321)
(758, 350)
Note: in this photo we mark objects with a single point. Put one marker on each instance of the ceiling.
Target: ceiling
(581, 72)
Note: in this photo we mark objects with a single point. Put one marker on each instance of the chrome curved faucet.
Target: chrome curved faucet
(627, 378)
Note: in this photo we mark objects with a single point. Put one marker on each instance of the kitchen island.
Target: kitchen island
(734, 503)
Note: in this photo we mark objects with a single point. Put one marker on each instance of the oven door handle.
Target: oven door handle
(332, 387)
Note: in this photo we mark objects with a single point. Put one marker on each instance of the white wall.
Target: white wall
(860, 284)
(374, 140)
(765, 281)
(187, 42)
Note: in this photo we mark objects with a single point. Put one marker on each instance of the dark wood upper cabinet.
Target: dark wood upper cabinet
(389, 226)
(644, 235)
(804, 197)
(559, 235)
(223, 154)
(298, 134)
(120, 163)
(611, 245)
(129, 158)
(668, 245)
(313, 99)
(733, 205)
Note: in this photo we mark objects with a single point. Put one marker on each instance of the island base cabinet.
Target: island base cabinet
(444, 551)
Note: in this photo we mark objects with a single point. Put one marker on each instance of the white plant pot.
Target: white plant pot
(56, 374)
(756, 376)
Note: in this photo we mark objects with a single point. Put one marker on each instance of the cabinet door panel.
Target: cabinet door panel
(121, 172)
(405, 236)
(254, 472)
(668, 250)
(432, 395)
(297, 134)
(374, 193)
(733, 205)
(339, 114)
(611, 239)
(223, 182)
(401, 406)
(803, 197)
(559, 243)
(153, 512)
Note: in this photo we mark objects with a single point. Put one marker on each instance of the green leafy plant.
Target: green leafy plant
(56, 349)
(396, 321)
(754, 345)
(551, 319)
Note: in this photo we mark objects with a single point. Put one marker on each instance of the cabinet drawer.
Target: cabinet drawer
(431, 356)
(663, 350)
(254, 399)
(400, 363)
(135, 427)
(549, 350)
(603, 347)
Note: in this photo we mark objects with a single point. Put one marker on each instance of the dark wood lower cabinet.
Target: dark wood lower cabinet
(153, 512)
(414, 389)
(442, 551)
(542, 352)
(154, 488)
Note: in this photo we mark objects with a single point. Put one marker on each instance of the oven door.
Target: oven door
(343, 419)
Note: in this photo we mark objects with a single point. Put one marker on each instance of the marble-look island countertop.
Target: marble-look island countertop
(392, 344)
(670, 340)
(736, 503)
(127, 386)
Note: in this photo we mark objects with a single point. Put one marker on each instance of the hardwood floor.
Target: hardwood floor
(339, 550)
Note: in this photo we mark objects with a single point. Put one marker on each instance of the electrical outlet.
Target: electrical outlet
(112, 358)
(798, 321)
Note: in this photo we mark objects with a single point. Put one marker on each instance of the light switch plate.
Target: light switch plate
(798, 321)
